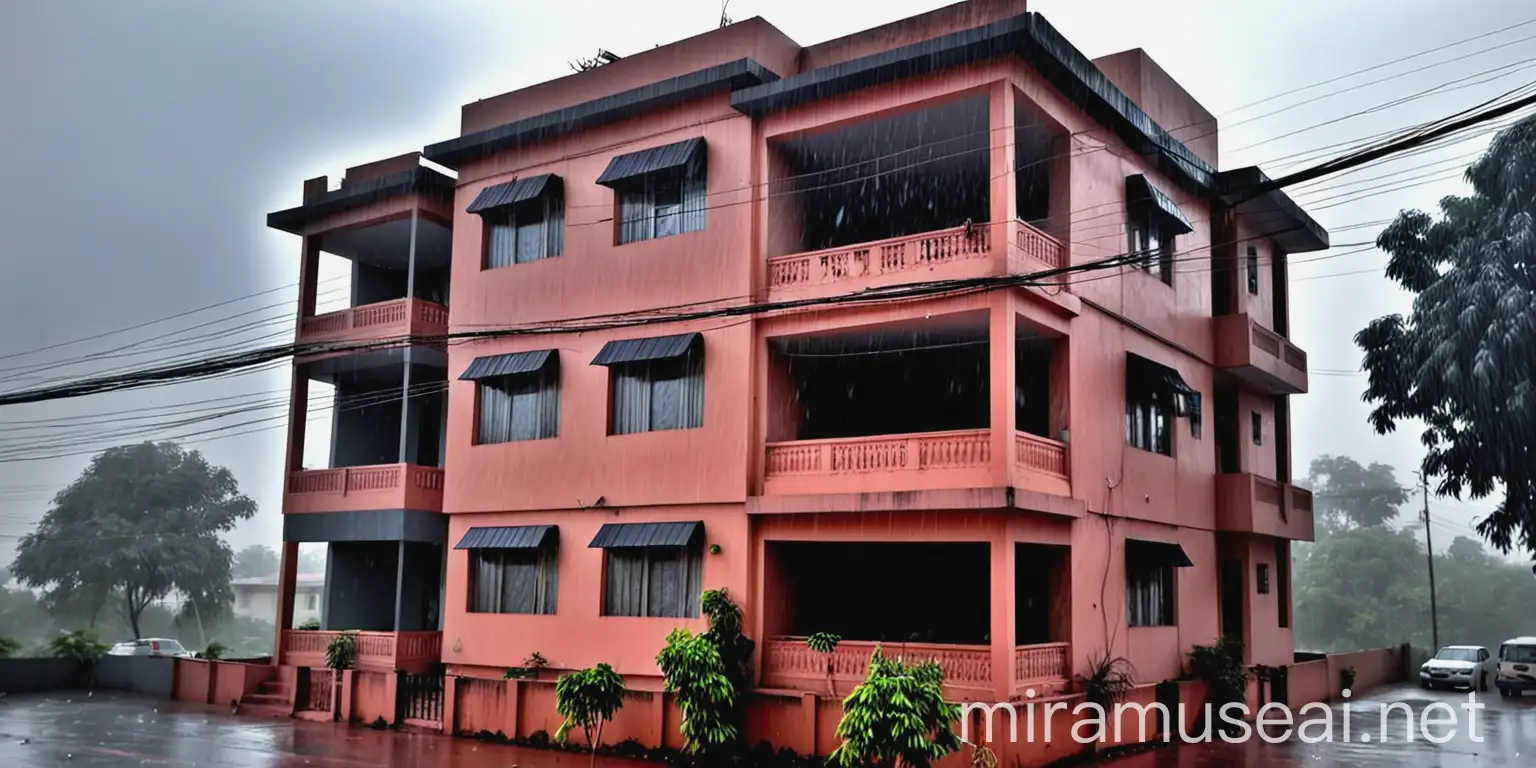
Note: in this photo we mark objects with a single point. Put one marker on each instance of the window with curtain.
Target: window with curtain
(527, 231)
(1148, 416)
(1149, 585)
(654, 581)
(652, 395)
(523, 406)
(663, 203)
(513, 580)
(1151, 240)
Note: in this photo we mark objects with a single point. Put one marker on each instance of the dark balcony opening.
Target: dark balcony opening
(365, 414)
(1042, 593)
(364, 579)
(880, 591)
(1228, 449)
(380, 259)
(1032, 386)
(1041, 153)
(905, 174)
(924, 376)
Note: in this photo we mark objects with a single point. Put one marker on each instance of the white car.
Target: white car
(1459, 666)
(1517, 666)
(150, 646)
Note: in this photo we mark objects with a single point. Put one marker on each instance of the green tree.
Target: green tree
(897, 717)
(1459, 362)
(697, 676)
(254, 561)
(141, 521)
(1361, 588)
(1348, 495)
(312, 562)
(587, 699)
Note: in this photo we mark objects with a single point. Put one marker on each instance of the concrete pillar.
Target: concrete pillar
(1002, 340)
(287, 577)
(450, 705)
(407, 424)
(514, 697)
(399, 585)
(1002, 193)
(1003, 641)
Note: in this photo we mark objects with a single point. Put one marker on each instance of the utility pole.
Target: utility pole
(1429, 549)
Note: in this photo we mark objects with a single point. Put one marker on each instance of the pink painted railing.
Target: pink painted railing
(376, 651)
(787, 662)
(333, 490)
(898, 254)
(1266, 491)
(1301, 499)
(1276, 346)
(386, 318)
(934, 450)
(1039, 246)
(1034, 665)
(1041, 454)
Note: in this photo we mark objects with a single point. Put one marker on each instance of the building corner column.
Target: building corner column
(287, 580)
(1002, 337)
(1002, 632)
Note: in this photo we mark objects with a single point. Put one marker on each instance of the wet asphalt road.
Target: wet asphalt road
(112, 731)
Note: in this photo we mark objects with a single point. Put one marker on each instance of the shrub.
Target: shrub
(9, 647)
(696, 674)
(341, 652)
(313, 625)
(81, 645)
(215, 651)
(532, 666)
(897, 716)
(1347, 678)
(825, 643)
(588, 699)
(1108, 680)
(1221, 667)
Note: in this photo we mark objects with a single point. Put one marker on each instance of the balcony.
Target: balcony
(1042, 668)
(1247, 503)
(352, 489)
(413, 652)
(954, 459)
(1259, 356)
(384, 320)
(789, 664)
(1042, 464)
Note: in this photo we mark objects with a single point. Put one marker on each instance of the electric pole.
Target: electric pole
(1429, 549)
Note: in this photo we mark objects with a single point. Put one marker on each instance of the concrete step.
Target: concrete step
(264, 710)
(267, 700)
(274, 688)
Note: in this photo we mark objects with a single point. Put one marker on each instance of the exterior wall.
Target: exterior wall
(914, 29)
(578, 635)
(1164, 100)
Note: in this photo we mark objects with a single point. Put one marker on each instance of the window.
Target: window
(1258, 428)
(653, 395)
(1263, 578)
(1148, 408)
(310, 601)
(662, 203)
(1283, 575)
(654, 581)
(514, 580)
(1150, 239)
(1149, 584)
(528, 231)
(521, 406)
(1253, 270)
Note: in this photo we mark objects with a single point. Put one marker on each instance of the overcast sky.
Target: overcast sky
(143, 143)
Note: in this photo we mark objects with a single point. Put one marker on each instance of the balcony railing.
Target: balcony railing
(956, 459)
(789, 664)
(1033, 250)
(1043, 668)
(385, 320)
(1042, 464)
(880, 257)
(376, 651)
(383, 486)
(1259, 356)
(1247, 503)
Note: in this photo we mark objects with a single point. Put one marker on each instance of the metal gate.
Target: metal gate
(420, 697)
(316, 690)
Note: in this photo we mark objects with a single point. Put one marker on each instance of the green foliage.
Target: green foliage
(165, 510)
(896, 717)
(1458, 362)
(530, 668)
(696, 675)
(1221, 667)
(1108, 680)
(9, 648)
(1346, 678)
(310, 625)
(588, 699)
(1348, 495)
(380, 724)
(255, 560)
(341, 652)
(725, 633)
(215, 651)
(81, 645)
(823, 642)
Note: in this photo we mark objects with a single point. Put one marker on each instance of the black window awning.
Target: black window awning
(1146, 373)
(516, 191)
(651, 160)
(639, 350)
(509, 537)
(1159, 554)
(1142, 193)
(622, 535)
(508, 365)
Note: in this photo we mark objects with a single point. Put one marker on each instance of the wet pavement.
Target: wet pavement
(110, 731)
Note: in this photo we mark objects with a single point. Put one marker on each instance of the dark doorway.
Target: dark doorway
(1227, 450)
(1230, 590)
(1040, 593)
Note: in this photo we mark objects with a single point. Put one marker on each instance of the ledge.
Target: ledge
(898, 501)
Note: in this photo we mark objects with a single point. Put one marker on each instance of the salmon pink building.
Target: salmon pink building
(940, 335)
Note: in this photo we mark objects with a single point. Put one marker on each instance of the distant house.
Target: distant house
(256, 597)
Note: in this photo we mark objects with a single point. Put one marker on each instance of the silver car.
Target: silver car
(1459, 666)
(150, 646)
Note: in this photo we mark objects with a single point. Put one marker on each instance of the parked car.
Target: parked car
(1458, 666)
(1517, 666)
(150, 646)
